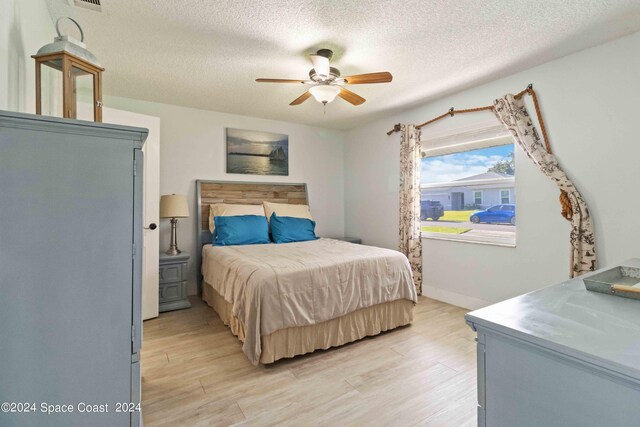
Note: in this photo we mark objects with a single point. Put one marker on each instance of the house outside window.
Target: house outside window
(505, 196)
(468, 186)
(477, 198)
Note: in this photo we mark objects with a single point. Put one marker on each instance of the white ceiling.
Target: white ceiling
(207, 54)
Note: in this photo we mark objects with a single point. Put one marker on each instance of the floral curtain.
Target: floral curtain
(410, 165)
(514, 115)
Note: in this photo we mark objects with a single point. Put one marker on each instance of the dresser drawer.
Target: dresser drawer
(173, 291)
(171, 273)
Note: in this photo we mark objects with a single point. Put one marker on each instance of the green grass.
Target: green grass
(447, 230)
(456, 216)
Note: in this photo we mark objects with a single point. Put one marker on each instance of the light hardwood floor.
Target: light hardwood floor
(194, 373)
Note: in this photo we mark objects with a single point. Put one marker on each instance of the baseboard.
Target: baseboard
(459, 300)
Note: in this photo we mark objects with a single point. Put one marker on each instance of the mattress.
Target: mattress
(274, 287)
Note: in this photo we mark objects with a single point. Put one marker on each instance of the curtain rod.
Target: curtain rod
(452, 111)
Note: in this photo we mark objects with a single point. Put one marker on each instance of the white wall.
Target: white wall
(192, 147)
(25, 26)
(589, 102)
(590, 106)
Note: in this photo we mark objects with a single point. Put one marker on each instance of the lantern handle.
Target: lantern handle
(72, 20)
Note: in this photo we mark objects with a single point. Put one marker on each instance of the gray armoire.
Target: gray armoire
(70, 271)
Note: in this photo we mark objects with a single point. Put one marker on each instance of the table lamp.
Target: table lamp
(173, 206)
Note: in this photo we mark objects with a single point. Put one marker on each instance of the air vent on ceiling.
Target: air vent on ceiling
(89, 4)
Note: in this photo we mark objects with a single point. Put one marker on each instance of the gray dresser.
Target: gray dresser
(173, 282)
(70, 263)
(560, 356)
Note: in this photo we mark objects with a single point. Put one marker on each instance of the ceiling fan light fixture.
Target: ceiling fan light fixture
(324, 93)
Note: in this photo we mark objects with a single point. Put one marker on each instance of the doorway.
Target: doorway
(457, 201)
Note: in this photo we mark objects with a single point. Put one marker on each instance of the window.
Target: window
(505, 196)
(468, 187)
(477, 198)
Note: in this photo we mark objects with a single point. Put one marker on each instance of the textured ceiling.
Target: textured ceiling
(207, 54)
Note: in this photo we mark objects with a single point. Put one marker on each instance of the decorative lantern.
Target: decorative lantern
(70, 84)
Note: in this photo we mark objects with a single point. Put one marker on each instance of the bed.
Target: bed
(283, 300)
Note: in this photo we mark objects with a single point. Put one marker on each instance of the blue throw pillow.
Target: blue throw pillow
(241, 230)
(286, 229)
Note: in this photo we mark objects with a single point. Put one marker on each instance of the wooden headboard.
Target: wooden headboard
(240, 193)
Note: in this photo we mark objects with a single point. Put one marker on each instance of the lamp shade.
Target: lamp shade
(324, 93)
(174, 206)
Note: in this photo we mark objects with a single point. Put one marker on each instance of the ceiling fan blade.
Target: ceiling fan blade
(350, 97)
(320, 64)
(359, 79)
(299, 100)
(279, 81)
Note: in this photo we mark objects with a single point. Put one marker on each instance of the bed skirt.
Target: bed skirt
(291, 342)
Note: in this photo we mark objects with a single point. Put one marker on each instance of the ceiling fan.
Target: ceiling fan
(326, 82)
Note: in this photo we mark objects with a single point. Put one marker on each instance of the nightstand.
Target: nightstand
(173, 282)
(355, 240)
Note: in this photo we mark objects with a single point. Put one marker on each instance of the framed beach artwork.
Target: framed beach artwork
(257, 153)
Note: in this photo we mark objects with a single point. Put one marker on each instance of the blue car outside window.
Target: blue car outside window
(498, 213)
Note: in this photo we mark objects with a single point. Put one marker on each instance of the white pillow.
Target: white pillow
(285, 209)
(225, 209)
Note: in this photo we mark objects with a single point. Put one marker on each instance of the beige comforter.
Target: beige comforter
(272, 287)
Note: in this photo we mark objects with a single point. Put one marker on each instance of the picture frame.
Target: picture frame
(257, 152)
